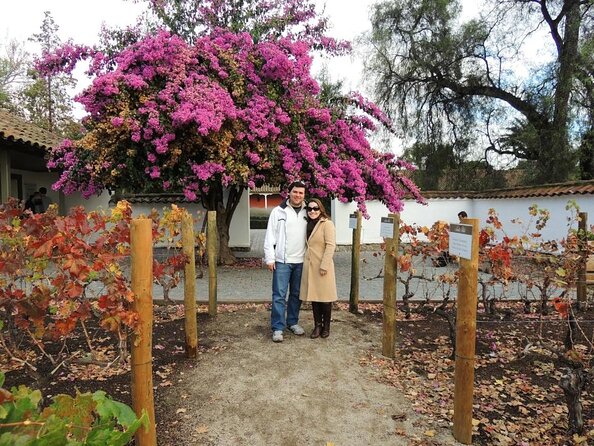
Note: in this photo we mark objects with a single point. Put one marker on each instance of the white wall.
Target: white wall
(447, 210)
(239, 231)
(32, 181)
(93, 203)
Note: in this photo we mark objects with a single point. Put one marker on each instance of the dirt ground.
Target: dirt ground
(246, 390)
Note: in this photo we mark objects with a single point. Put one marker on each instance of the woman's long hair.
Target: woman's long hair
(323, 213)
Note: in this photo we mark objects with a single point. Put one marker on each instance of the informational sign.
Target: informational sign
(460, 241)
(387, 227)
(353, 221)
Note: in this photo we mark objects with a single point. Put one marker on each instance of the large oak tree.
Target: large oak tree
(435, 71)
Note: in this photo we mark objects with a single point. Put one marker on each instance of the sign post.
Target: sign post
(464, 243)
(355, 225)
(191, 323)
(141, 257)
(212, 241)
(583, 246)
(390, 228)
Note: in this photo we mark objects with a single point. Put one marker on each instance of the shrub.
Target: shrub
(86, 419)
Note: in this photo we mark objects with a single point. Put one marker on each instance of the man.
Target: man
(46, 201)
(462, 215)
(284, 249)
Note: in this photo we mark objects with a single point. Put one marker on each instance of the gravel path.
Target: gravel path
(300, 392)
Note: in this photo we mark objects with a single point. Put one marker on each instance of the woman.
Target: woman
(318, 281)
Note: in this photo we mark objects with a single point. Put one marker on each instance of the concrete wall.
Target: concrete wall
(32, 181)
(239, 231)
(447, 210)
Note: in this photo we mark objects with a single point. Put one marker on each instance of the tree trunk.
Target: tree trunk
(572, 383)
(215, 201)
(556, 160)
(586, 153)
(226, 256)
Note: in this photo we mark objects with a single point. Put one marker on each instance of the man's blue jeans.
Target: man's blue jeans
(285, 275)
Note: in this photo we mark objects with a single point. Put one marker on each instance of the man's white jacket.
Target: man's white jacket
(285, 235)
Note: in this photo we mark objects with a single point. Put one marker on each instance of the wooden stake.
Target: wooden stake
(390, 271)
(211, 250)
(583, 244)
(466, 339)
(189, 246)
(141, 255)
(355, 264)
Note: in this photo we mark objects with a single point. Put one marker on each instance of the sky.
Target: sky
(81, 22)
(21, 19)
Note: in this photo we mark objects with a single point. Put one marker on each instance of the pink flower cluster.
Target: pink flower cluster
(225, 110)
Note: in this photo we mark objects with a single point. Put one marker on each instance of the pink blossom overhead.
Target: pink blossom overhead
(224, 110)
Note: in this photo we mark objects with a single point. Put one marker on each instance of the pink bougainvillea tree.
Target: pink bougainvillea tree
(216, 116)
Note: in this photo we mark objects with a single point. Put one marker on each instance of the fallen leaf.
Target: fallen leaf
(202, 429)
(430, 433)
(180, 410)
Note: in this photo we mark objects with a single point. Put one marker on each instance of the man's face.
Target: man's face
(296, 196)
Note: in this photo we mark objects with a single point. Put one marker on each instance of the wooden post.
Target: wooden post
(583, 245)
(355, 264)
(211, 250)
(466, 339)
(390, 271)
(189, 246)
(141, 256)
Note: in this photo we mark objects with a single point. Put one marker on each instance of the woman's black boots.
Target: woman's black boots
(317, 314)
(326, 316)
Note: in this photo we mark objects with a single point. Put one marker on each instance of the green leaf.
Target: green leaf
(108, 408)
(11, 439)
(107, 434)
(2, 377)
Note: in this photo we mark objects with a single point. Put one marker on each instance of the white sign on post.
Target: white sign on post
(387, 227)
(460, 241)
(353, 221)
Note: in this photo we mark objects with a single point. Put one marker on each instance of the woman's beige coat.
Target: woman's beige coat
(319, 255)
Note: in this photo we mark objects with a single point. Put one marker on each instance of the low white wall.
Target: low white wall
(447, 210)
(93, 203)
(239, 232)
(32, 181)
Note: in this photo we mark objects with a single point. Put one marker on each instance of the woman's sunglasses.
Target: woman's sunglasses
(312, 209)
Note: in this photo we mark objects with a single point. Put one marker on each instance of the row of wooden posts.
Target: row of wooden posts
(142, 278)
(141, 256)
(465, 317)
(465, 312)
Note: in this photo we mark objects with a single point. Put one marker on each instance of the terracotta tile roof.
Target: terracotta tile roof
(265, 189)
(16, 129)
(150, 198)
(544, 190)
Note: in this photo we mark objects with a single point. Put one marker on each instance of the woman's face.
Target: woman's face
(313, 210)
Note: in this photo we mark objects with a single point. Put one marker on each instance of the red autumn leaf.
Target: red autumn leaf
(562, 307)
(484, 238)
(74, 290)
